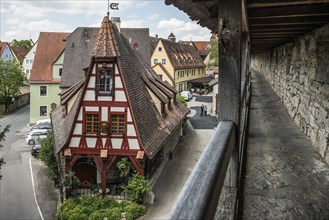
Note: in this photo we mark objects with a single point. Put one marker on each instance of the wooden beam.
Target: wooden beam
(229, 43)
(291, 19)
(301, 10)
(276, 3)
(274, 29)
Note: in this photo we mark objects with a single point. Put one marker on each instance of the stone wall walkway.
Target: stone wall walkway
(285, 177)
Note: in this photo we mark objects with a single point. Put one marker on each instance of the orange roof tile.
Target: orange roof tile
(105, 44)
(201, 45)
(50, 46)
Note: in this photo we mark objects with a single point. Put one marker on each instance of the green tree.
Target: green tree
(22, 43)
(213, 54)
(47, 155)
(2, 138)
(12, 79)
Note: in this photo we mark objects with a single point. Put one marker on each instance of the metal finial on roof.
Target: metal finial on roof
(108, 8)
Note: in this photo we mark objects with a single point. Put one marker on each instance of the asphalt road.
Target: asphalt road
(18, 190)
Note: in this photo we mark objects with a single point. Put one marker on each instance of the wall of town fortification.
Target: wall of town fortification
(299, 73)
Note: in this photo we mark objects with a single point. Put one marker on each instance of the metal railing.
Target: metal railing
(201, 193)
(199, 197)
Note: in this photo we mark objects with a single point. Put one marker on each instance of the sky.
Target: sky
(20, 19)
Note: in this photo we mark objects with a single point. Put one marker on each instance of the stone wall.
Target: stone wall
(299, 74)
(17, 102)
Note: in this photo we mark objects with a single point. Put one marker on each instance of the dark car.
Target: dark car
(35, 149)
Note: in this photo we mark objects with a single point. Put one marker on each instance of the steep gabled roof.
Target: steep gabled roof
(50, 46)
(20, 52)
(201, 45)
(106, 45)
(140, 40)
(182, 55)
(152, 127)
(80, 45)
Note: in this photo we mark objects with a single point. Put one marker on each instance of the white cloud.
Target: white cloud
(25, 29)
(133, 24)
(153, 17)
(22, 18)
(183, 30)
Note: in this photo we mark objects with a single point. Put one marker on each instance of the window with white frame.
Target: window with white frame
(163, 61)
(43, 90)
(105, 77)
(155, 61)
(43, 110)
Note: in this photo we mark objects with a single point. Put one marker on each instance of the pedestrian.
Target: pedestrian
(202, 107)
(205, 110)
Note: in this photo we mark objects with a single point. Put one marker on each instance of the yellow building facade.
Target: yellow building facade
(177, 63)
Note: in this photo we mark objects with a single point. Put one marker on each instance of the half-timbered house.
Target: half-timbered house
(121, 108)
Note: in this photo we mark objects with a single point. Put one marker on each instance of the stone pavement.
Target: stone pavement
(285, 177)
(177, 170)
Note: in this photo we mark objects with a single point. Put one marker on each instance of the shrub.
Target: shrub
(134, 211)
(71, 183)
(110, 214)
(94, 208)
(46, 154)
(137, 187)
(181, 99)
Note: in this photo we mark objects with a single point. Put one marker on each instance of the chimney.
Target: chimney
(117, 22)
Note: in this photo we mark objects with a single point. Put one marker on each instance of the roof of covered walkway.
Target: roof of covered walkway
(278, 171)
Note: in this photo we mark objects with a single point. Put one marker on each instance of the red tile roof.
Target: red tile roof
(201, 45)
(20, 52)
(50, 46)
(105, 44)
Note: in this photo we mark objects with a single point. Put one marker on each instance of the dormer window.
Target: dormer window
(105, 80)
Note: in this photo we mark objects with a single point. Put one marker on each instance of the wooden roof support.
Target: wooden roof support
(229, 40)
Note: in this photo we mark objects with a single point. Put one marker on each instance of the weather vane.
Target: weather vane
(113, 6)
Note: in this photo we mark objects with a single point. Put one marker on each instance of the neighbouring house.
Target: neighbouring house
(113, 105)
(181, 61)
(5, 52)
(46, 75)
(201, 46)
(28, 60)
(19, 52)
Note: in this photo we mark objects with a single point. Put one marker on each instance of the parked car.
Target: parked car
(35, 149)
(41, 128)
(32, 138)
(187, 95)
(43, 121)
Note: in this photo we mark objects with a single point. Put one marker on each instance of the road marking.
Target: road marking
(35, 196)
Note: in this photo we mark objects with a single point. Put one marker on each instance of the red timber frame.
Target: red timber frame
(103, 163)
